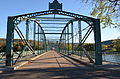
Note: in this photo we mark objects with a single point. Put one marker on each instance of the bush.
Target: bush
(2, 47)
(116, 46)
(89, 47)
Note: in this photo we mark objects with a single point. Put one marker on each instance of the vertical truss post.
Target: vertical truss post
(79, 31)
(68, 38)
(9, 41)
(44, 46)
(34, 36)
(45, 43)
(59, 46)
(72, 38)
(27, 29)
(38, 38)
(40, 42)
(97, 37)
(40, 50)
(65, 41)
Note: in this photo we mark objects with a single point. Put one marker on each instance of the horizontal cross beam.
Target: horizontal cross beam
(53, 23)
(52, 18)
(52, 27)
(55, 20)
(52, 30)
(53, 33)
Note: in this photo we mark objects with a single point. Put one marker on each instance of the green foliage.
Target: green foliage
(105, 12)
(89, 46)
(116, 46)
(18, 46)
(68, 46)
(2, 47)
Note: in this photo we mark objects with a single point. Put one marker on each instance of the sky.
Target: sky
(17, 7)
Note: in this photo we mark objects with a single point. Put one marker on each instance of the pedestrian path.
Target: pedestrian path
(55, 66)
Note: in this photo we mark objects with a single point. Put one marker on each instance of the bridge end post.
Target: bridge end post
(98, 47)
(9, 42)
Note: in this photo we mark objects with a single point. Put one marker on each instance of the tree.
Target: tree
(116, 46)
(89, 47)
(2, 47)
(106, 10)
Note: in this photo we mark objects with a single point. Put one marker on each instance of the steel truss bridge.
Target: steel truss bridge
(36, 33)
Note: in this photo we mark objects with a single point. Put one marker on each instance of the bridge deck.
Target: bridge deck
(54, 66)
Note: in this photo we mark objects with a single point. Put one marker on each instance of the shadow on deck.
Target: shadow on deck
(61, 73)
(54, 66)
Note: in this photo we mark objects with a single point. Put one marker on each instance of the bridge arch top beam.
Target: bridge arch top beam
(19, 18)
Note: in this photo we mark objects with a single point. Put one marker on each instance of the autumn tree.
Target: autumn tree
(2, 47)
(116, 46)
(108, 11)
(89, 47)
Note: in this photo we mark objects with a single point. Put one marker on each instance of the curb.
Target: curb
(79, 61)
(28, 62)
(7, 69)
(97, 67)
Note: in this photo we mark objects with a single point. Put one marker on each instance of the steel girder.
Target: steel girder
(15, 20)
(19, 18)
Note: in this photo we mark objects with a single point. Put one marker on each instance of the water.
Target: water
(111, 57)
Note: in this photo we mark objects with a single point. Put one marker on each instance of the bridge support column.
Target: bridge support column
(80, 35)
(65, 41)
(38, 39)
(9, 41)
(68, 38)
(27, 30)
(45, 44)
(34, 36)
(72, 38)
(97, 37)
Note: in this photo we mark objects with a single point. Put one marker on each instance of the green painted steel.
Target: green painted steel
(98, 47)
(55, 5)
(72, 36)
(67, 32)
(9, 41)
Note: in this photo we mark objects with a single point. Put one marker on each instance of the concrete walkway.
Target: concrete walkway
(54, 66)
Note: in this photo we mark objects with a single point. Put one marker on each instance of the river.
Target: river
(111, 57)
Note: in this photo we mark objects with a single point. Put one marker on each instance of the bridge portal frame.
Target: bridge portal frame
(15, 20)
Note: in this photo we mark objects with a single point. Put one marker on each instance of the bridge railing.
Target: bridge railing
(68, 44)
(28, 41)
(2, 57)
